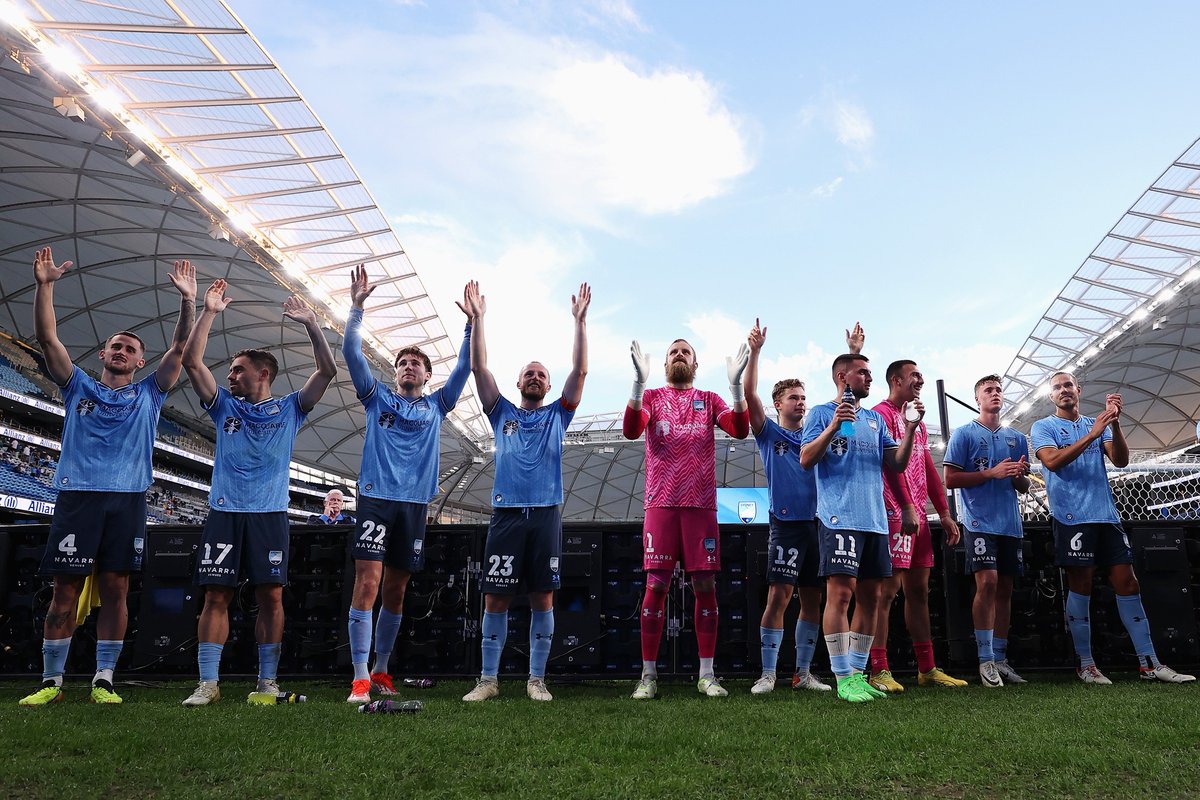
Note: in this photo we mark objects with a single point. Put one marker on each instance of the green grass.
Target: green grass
(1053, 738)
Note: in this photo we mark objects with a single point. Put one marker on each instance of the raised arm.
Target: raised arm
(485, 382)
(758, 415)
(360, 368)
(310, 394)
(45, 324)
(573, 386)
(201, 376)
(184, 278)
(1055, 458)
(897, 460)
(855, 339)
(1117, 449)
(462, 367)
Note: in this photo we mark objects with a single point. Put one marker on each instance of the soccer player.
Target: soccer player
(1087, 529)
(681, 496)
(793, 549)
(334, 500)
(852, 516)
(988, 463)
(246, 532)
(909, 540)
(398, 479)
(524, 539)
(99, 523)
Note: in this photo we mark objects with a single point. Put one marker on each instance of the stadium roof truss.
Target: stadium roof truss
(138, 132)
(1128, 321)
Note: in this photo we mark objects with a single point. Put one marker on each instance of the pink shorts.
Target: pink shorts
(909, 550)
(690, 535)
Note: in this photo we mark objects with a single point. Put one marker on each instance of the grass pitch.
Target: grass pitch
(1052, 738)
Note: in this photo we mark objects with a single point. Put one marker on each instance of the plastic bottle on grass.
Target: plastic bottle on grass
(390, 707)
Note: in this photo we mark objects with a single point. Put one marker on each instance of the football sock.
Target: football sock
(495, 632)
(649, 669)
(806, 644)
(1078, 606)
(770, 639)
(208, 655)
(924, 653)
(706, 623)
(387, 628)
(999, 648)
(54, 658)
(360, 641)
(879, 661)
(1134, 617)
(541, 636)
(706, 668)
(653, 611)
(107, 653)
(838, 645)
(860, 650)
(983, 646)
(268, 660)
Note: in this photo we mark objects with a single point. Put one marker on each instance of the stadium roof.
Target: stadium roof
(138, 133)
(1128, 320)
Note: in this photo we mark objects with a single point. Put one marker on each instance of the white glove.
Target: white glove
(641, 369)
(735, 366)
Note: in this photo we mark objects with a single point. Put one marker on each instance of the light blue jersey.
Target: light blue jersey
(791, 487)
(108, 435)
(850, 476)
(529, 453)
(989, 507)
(254, 447)
(401, 453)
(1079, 492)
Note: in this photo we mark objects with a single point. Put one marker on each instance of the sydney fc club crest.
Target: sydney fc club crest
(747, 511)
(85, 407)
(275, 557)
(510, 427)
(781, 448)
(710, 544)
(232, 425)
(387, 419)
(839, 445)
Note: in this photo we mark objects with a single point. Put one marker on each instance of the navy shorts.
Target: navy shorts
(859, 554)
(794, 552)
(253, 544)
(101, 530)
(523, 546)
(1100, 544)
(391, 531)
(993, 551)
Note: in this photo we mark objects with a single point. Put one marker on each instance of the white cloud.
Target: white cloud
(852, 125)
(827, 189)
(617, 12)
(848, 122)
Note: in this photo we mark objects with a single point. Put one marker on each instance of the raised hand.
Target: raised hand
(184, 278)
(581, 301)
(641, 363)
(470, 301)
(295, 309)
(1114, 402)
(757, 336)
(360, 287)
(855, 338)
(215, 300)
(44, 270)
(736, 365)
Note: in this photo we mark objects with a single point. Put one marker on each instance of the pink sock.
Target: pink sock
(924, 651)
(653, 606)
(706, 623)
(878, 659)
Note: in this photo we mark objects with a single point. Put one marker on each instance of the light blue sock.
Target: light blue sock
(806, 644)
(360, 641)
(1000, 648)
(838, 645)
(541, 636)
(387, 628)
(107, 653)
(860, 650)
(209, 657)
(54, 658)
(495, 632)
(1080, 623)
(984, 646)
(1134, 617)
(770, 638)
(268, 660)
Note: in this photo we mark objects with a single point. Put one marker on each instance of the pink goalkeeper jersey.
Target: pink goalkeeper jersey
(680, 447)
(914, 473)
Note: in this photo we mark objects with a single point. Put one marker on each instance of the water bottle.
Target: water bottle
(390, 707)
(420, 683)
(847, 427)
(271, 698)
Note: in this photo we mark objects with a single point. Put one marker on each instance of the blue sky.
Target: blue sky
(937, 171)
